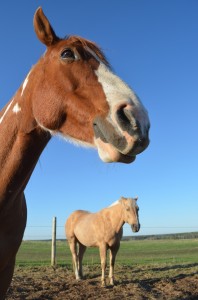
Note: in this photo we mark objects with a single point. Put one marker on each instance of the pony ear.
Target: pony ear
(123, 201)
(43, 29)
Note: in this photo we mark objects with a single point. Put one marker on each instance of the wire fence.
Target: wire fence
(45, 232)
(45, 245)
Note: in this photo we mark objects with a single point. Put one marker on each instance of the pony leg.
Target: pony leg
(112, 256)
(103, 259)
(73, 248)
(81, 252)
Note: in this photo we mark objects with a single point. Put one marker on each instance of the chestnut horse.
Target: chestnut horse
(71, 91)
(102, 229)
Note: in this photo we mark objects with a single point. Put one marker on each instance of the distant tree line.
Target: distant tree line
(176, 236)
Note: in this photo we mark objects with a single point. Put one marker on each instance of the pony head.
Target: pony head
(130, 212)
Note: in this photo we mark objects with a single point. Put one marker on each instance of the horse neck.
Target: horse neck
(22, 142)
(115, 213)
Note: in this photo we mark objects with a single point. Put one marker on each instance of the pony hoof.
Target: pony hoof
(78, 279)
(111, 281)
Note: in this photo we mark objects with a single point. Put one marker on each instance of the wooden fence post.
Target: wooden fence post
(53, 252)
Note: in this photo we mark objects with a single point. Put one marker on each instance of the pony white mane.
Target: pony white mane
(114, 203)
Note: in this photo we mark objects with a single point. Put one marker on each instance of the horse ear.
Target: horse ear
(123, 200)
(43, 29)
(136, 198)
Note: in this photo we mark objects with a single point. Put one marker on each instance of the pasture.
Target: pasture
(144, 269)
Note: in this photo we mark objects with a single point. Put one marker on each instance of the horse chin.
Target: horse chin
(109, 153)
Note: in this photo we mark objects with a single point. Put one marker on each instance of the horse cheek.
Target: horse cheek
(50, 114)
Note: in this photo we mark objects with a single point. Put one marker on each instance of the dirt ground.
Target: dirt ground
(137, 283)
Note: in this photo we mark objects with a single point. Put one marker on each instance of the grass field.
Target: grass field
(38, 253)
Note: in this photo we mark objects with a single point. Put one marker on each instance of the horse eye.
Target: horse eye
(67, 53)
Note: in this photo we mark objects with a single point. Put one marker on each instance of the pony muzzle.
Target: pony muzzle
(135, 227)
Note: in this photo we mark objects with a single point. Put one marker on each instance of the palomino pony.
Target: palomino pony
(102, 229)
(71, 91)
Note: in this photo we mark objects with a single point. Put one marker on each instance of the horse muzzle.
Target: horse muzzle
(121, 138)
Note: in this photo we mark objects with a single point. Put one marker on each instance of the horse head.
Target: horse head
(75, 94)
(130, 212)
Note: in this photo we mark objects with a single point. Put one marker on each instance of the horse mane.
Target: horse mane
(114, 203)
(78, 41)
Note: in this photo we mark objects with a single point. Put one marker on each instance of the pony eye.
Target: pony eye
(67, 53)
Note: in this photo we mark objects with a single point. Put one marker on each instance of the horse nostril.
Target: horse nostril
(122, 116)
(126, 120)
(129, 117)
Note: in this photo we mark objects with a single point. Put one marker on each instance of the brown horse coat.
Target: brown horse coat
(70, 91)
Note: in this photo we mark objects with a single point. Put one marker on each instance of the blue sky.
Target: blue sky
(153, 46)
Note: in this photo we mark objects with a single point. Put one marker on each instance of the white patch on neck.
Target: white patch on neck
(5, 112)
(25, 83)
(16, 108)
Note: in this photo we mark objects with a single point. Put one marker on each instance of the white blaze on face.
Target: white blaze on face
(118, 92)
(114, 88)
